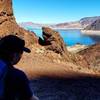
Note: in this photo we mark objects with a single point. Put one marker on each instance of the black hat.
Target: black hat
(13, 43)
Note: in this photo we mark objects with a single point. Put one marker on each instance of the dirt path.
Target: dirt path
(41, 68)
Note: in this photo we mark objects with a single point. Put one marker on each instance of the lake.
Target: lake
(71, 37)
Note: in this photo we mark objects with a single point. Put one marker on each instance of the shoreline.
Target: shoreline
(59, 28)
(90, 32)
(76, 48)
(67, 28)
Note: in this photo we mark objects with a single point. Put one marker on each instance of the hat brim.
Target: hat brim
(26, 50)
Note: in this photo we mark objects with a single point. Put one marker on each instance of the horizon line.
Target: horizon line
(56, 22)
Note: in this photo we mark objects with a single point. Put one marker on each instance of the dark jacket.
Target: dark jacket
(16, 85)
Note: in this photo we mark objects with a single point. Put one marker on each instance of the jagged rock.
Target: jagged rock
(53, 41)
(92, 55)
(8, 24)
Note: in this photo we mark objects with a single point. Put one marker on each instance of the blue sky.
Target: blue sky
(54, 11)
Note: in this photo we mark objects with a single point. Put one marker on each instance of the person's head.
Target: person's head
(11, 48)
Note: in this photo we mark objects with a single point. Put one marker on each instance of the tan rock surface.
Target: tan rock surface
(8, 24)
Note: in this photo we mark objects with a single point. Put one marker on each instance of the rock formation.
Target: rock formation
(8, 24)
(53, 41)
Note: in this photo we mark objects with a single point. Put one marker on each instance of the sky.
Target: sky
(54, 11)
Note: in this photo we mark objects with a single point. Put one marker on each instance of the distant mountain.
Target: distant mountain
(68, 25)
(30, 25)
(81, 24)
(88, 20)
(94, 26)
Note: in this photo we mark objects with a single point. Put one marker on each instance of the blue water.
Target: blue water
(71, 37)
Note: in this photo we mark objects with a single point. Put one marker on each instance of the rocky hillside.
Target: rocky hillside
(54, 42)
(94, 26)
(92, 55)
(88, 20)
(8, 24)
(51, 58)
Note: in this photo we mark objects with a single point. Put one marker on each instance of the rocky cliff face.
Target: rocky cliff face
(8, 24)
(6, 8)
(94, 26)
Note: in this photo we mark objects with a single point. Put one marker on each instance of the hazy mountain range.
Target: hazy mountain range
(81, 24)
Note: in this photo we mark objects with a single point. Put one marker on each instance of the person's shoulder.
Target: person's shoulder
(18, 74)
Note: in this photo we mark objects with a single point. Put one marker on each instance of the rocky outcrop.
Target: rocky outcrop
(94, 26)
(8, 24)
(53, 41)
(92, 55)
(6, 8)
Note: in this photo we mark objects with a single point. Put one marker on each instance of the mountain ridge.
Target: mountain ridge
(94, 26)
(81, 24)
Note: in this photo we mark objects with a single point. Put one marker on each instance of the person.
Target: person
(16, 85)
(3, 71)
